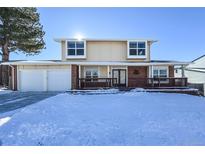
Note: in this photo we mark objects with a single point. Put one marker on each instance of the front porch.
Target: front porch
(148, 83)
(95, 77)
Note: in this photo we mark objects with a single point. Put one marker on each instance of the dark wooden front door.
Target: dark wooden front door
(120, 75)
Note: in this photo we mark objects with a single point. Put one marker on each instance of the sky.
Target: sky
(180, 31)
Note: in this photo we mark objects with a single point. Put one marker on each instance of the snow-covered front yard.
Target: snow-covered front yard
(131, 118)
(4, 91)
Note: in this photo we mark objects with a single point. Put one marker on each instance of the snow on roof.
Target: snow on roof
(103, 39)
(122, 63)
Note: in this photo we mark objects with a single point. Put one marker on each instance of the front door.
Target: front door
(120, 75)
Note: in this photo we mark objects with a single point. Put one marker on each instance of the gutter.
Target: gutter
(192, 70)
(96, 63)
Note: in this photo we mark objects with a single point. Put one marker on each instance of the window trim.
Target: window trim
(91, 69)
(160, 68)
(136, 56)
(75, 56)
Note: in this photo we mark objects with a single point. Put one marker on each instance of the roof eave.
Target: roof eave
(95, 63)
(93, 39)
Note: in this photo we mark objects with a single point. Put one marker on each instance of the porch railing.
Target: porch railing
(97, 82)
(132, 82)
(170, 82)
(158, 82)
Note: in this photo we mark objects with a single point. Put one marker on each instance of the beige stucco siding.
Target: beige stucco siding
(103, 72)
(63, 51)
(104, 51)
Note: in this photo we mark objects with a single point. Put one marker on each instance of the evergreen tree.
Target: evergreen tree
(20, 30)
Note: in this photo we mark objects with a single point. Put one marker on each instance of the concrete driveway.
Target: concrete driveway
(15, 100)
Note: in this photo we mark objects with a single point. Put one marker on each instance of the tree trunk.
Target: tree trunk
(5, 69)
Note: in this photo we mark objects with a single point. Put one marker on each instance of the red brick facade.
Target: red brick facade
(171, 71)
(136, 75)
(74, 76)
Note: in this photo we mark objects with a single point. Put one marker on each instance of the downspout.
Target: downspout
(183, 75)
(12, 74)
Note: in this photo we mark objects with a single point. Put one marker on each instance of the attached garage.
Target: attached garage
(31, 80)
(44, 78)
(59, 80)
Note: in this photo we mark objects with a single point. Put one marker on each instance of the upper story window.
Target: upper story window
(137, 49)
(76, 49)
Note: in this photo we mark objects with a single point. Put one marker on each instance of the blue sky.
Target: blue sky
(180, 31)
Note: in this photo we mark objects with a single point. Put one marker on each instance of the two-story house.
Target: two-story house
(97, 63)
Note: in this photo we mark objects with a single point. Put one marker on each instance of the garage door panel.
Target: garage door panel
(59, 80)
(32, 80)
(45, 79)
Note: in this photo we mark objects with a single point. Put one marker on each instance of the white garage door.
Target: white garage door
(59, 80)
(45, 80)
(32, 80)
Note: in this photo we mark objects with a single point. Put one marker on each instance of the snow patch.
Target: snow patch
(4, 91)
(4, 120)
(102, 91)
(98, 91)
(138, 90)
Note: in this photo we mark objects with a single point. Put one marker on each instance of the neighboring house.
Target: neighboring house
(195, 71)
(97, 63)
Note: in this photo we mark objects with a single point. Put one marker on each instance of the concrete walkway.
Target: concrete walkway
(15, 100)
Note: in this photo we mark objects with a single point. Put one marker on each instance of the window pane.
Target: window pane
(163, 72)
(80, 44)
(163, 76)
(71, 44)
(71, 52)
(133, 44)
(155, 76)
(155, 72)
(88, 73)
(80, 51)
(141, 44)
(133, 52)
(141, 52)
(95, 73)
